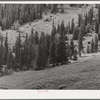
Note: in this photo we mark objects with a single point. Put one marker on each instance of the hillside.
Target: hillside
(25, 59)
(42, 25)
(83, 74)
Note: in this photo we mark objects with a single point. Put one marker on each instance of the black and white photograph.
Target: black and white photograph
(50, 46)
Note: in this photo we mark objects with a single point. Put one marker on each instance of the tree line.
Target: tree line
(10, 13)
(23, 13)
(38, 52)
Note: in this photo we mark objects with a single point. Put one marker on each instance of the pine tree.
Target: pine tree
(32, 36)
(97, 26)
(36, 38)
(26, 53)
(99, 20)
(62, 45)
(52, 51)
(9, 60)
(80, 41)
(75, 33)
(69, 27)
(1, 51)
(83, 27)
(41, 60)
(79, 20)
(72, 26)
(5, 50)
(71, 48)
(86, 20)
(91, 15)
(99, 13)
(47, 43)
(18, 52)
(58, 28)
(92, 46)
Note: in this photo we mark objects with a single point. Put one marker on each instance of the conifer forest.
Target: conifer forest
(49, 46)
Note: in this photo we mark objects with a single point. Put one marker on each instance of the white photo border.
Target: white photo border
(49, 94)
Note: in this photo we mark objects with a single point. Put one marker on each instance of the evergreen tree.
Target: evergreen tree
(86, 20)
(52, 51)
(99, 13)
(36, 37)
(62, 45)
(97, 26)
(75, 33)
(1, 54)
(5, 50)
(80, 41)
(91, 15)
(58, 28)
(47, 43)
(83, 28)
(99, 20)
(41, 60)
(71, 48)
(9, 60)
(72, 26)
(1, 51)
(18, 52)
(79, 20)
(69, 27)
(92, 46)
(32, 36)
(25, 53)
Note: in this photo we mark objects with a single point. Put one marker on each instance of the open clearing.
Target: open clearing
(82, 74)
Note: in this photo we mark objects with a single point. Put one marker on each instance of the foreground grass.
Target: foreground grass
(83, 74)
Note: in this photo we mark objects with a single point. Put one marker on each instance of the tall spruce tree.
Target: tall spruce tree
(75, 34)
(92, 46)
(1, 51)
(62, 45)
(5, 50)
(47, 44)
(97, 26)
(79, 20)
(41, 59)
(99, 20)
(26, 53)
(86, 20)
(18, 52)
(71, 48)
(58, 28)
(72, 26)
(32, 36)
(9, 60)
(52, 51)
(91, 15)
(80, 40)
(36, 38)
(69, 27)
